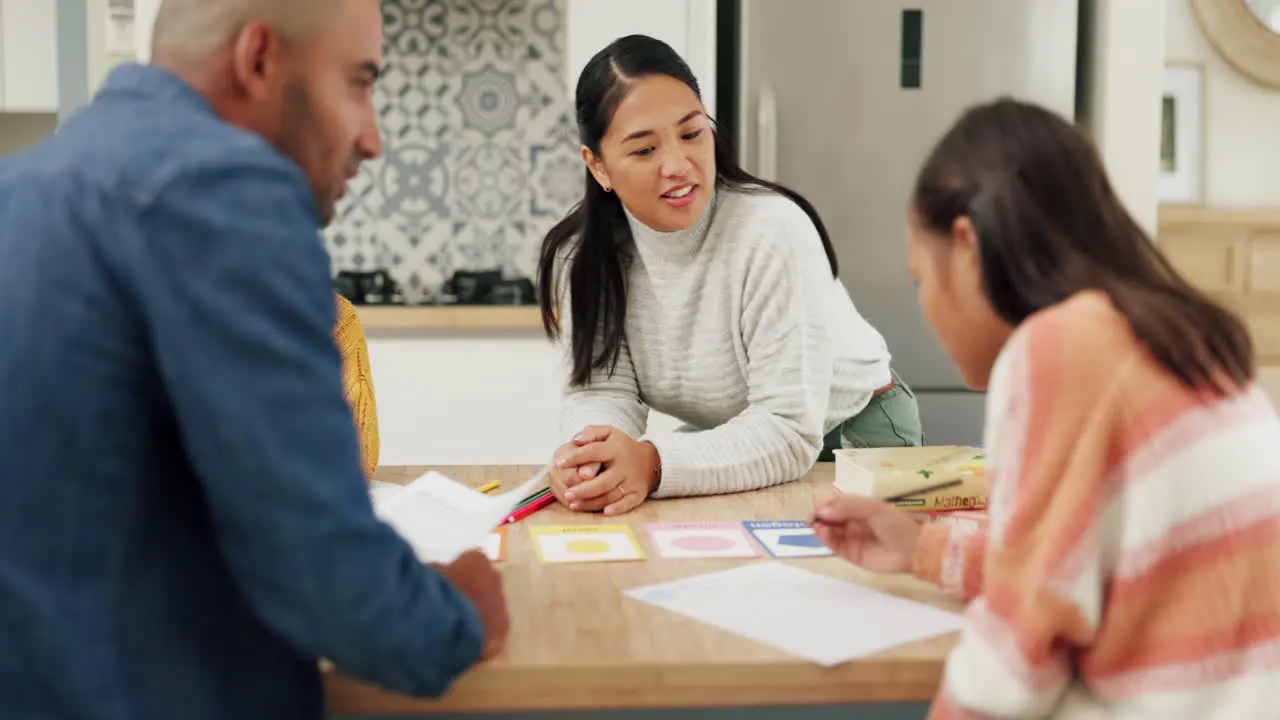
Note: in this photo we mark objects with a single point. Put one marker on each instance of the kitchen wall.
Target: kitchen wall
(1123, 49)
(115, 18)
(485, 397)
(471, 397)
(461, 398)
(689, 26)
(481, 146)
(1242, 144)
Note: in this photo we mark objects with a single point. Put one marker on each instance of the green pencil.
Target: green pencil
(531, 498)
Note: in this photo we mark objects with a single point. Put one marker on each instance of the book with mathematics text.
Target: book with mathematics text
(926, 479)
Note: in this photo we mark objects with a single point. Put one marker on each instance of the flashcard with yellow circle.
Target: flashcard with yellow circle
(585, 543)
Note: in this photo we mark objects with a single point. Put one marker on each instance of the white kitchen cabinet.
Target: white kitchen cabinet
(470, 399)
(688, 26)
(29, 52)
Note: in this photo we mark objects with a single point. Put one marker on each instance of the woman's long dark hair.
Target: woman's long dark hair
(1049, 225)
(597, 271)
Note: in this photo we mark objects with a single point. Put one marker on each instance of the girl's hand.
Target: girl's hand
(867, 532)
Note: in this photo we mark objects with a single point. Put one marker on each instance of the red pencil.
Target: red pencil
(525, 511)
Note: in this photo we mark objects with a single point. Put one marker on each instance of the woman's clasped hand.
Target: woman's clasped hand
(604, 469)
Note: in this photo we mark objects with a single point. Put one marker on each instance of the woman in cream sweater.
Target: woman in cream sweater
(684, 285)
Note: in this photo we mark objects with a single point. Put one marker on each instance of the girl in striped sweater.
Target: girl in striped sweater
(1131, 567)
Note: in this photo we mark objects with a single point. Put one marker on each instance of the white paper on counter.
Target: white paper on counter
(380, 492)
(442, 518)
(813, 616)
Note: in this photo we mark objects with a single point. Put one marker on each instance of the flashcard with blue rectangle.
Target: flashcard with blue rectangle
(787, 538)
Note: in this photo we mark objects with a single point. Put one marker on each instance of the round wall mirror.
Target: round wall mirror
(1246, 33)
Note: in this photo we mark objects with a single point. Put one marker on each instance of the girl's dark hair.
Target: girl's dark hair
(597, 271)
(1049, 225)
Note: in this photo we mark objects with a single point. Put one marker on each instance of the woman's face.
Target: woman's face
(947, 271)
(658, 154)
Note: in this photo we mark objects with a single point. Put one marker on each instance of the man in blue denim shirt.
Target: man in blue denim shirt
(184, 523)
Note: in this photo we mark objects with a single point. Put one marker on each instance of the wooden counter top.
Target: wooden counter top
(576, 642)
(450, 317)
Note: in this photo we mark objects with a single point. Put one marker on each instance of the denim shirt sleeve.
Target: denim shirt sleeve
(239, 302)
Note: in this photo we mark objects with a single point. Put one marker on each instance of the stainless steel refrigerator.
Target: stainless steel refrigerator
(842, 99)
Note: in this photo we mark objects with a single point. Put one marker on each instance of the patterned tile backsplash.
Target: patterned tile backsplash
(481, 150)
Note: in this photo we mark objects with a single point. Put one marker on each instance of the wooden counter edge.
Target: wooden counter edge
(868, 680)
(470, 317)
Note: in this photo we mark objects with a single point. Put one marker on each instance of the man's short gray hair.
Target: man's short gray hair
(193, 30)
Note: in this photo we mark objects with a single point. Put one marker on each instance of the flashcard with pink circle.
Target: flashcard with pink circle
(787, 538)
(701, 540)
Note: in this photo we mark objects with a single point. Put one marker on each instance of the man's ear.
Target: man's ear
(593, 163)
(256, 59)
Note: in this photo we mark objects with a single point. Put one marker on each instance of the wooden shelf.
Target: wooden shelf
(465, 317)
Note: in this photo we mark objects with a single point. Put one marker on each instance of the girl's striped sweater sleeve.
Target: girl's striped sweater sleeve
(950, 556)
(1034, 575)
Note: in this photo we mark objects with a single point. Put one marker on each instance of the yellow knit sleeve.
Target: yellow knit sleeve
(357, 382)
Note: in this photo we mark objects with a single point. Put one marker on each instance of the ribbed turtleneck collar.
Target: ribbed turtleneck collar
(679, 246)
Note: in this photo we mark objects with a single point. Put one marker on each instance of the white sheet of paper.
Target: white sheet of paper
(801, 612)
(380, 492)
(442, 518)
(493, 546)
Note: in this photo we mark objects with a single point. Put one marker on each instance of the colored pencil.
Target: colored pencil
(536, 496)
(903, 496)
(489, 487)
(521, 513)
